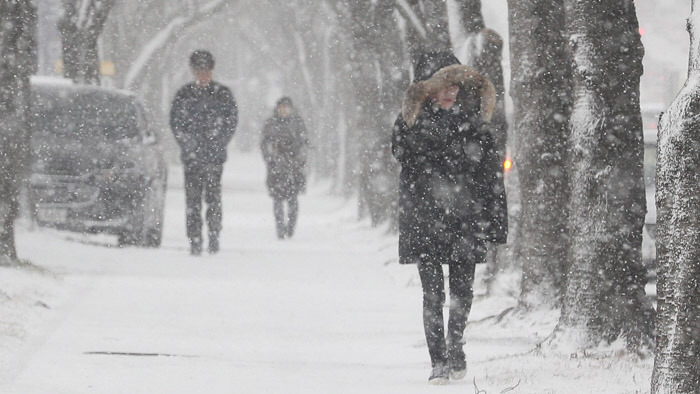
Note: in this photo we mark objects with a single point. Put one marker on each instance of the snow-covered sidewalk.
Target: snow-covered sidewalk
(329, 311)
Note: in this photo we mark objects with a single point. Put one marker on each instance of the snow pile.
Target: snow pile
(28, 295)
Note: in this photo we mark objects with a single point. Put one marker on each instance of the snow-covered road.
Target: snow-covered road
(326, 312)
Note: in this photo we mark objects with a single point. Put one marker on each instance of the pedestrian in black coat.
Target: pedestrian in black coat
(203, 118)
(284, 147)
(452, 196)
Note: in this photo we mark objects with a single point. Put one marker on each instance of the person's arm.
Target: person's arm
(407, 146)
(495, 189)
(303, 140)
(230, 116)
(266, 143)
(178, 117)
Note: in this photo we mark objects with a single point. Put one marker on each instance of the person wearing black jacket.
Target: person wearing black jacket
(452, 195)
(203, 118)
(284, 148)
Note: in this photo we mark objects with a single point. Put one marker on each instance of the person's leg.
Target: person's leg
(461, 296)
(193, 198)
(278, 209)
(461, 284)
(432, 281)
(292, 214)
(213, 198)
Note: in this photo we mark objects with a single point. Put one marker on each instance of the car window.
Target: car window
(85, 115)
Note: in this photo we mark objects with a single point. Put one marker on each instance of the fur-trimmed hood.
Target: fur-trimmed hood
(456, 74)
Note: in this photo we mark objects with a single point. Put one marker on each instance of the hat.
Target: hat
(431, 62)
(202, 59)
(284, 101)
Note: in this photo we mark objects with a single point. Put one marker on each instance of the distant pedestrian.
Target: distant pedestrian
(203, 118)
(284, 147)
(452, 198)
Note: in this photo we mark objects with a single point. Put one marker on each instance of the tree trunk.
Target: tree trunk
(378, 77)
(605, 298)
(541, 94)
(80, 27)
(427, 26)
(436, 25)
(17, 62)
(471, 16)
(676, 369)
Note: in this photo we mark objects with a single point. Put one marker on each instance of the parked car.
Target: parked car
(96, 165)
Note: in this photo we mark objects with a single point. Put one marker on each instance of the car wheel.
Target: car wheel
(153, 238)
(127, 239)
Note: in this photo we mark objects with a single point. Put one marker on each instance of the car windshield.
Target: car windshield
(85, 114)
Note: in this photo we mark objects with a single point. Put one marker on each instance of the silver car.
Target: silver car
(96, 165)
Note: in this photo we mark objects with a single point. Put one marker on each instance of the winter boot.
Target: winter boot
(289, 232)
(196, 249)
(213, 243)
(439, 375)
(457, 361)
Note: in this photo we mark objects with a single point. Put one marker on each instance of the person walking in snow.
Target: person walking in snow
(203, 118)
(284, 148)
(452, 196)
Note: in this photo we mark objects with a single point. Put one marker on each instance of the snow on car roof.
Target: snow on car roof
(56, 82)
(47, 80)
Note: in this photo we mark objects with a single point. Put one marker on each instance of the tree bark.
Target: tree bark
(541, 94)
(427, 26)
(471, 16)
(605, 297)
(80, 27)
(378, 77)
(17, 62)
(436, 25)
(676, 368)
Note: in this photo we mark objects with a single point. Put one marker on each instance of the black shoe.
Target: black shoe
(439, 375)
(457, 362)
(289, 232)
(195, 249)
(213, 244)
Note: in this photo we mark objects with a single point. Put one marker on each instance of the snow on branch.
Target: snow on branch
(160, 40)
(411, 17)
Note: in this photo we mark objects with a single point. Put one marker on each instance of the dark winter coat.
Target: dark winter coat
(452, 195)
(284, 145)
(203, 120)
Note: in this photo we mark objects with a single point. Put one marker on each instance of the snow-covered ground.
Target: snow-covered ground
(329, 311)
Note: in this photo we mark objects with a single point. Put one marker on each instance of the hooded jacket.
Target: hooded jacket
(284, 145)
(452, 195)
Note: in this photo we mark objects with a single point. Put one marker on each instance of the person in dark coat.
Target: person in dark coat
(203, 118)
(452, 195)
(284, 147)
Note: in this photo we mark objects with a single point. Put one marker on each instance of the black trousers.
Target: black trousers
(203, 181)
(461, 281)
(286, 225)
